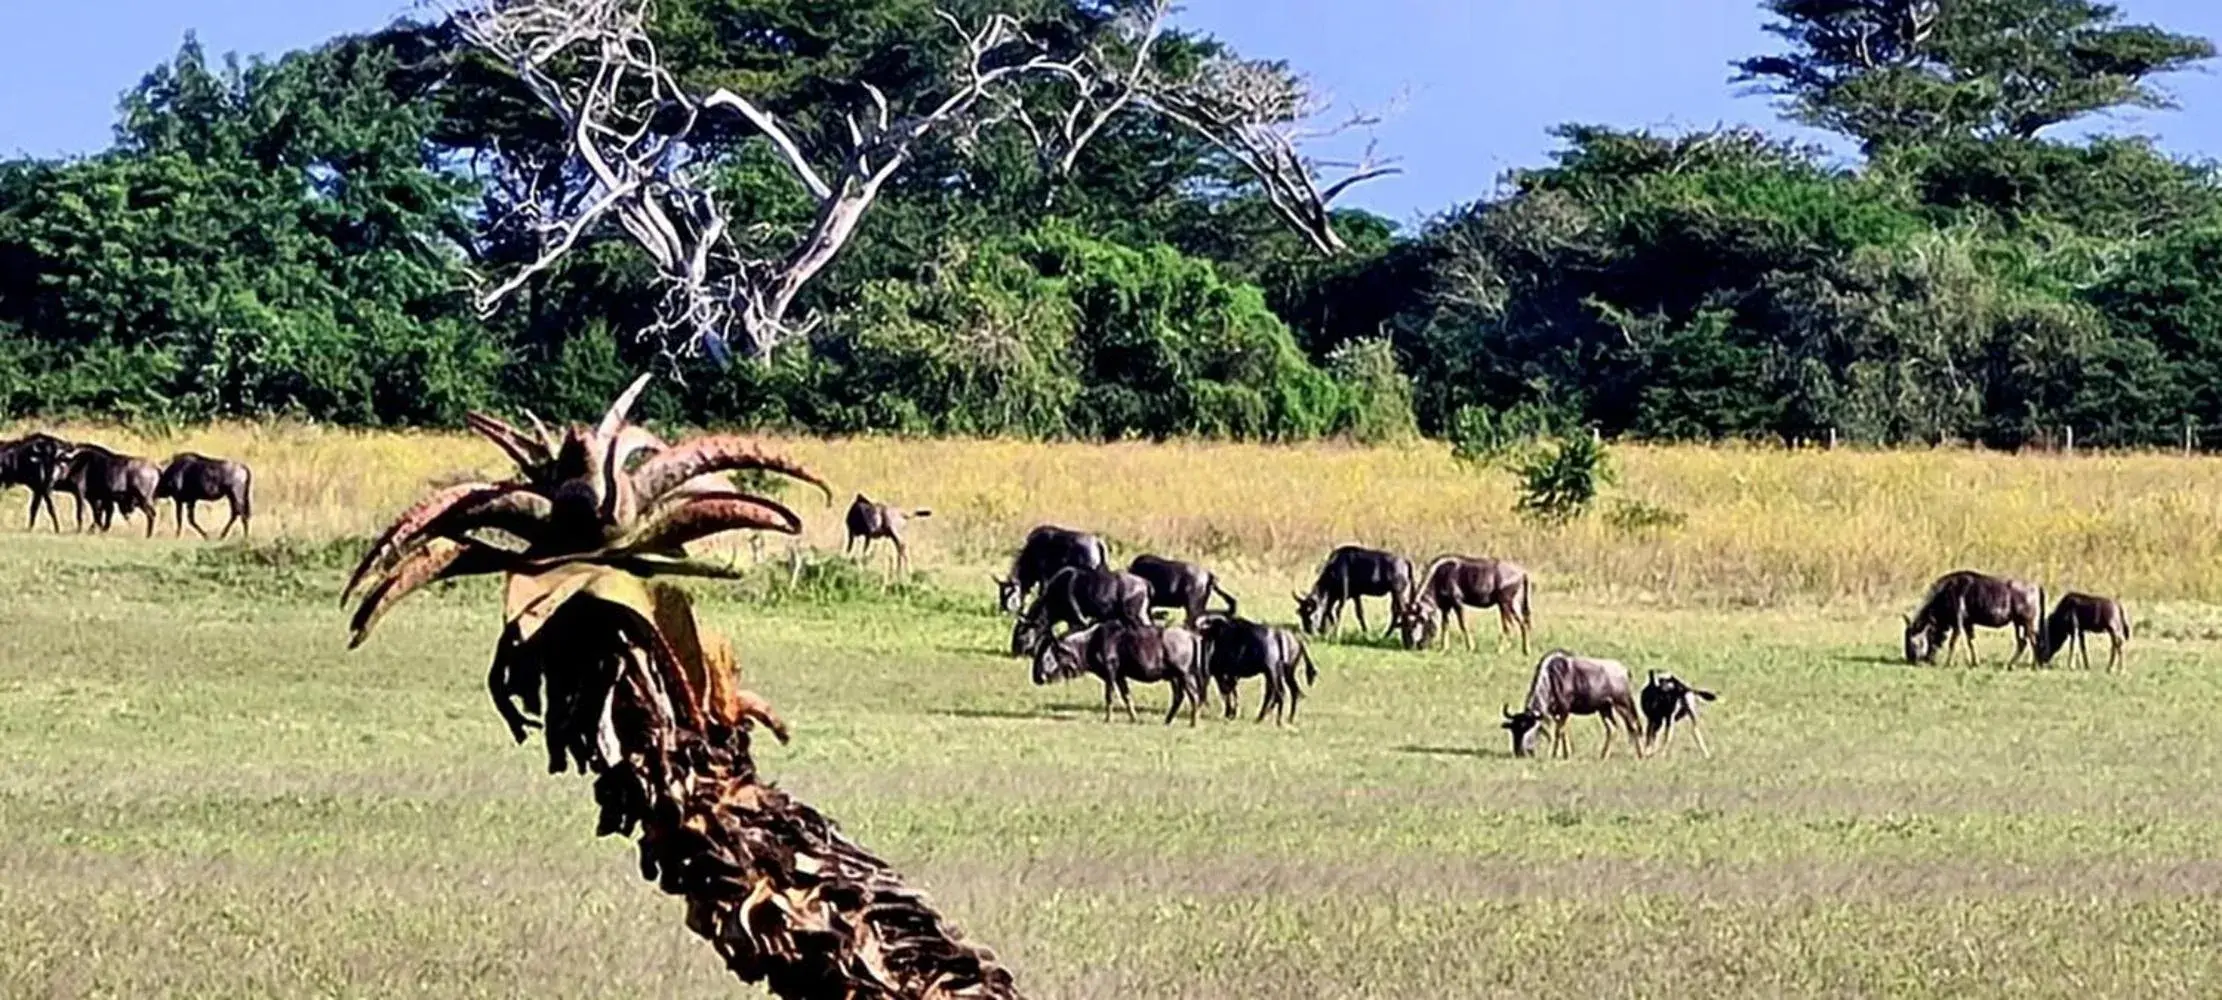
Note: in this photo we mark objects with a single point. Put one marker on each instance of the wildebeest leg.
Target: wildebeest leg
(1226, 694)
(1560, 748)
(177, 510)
(1459, 609)
(147, 507)
(2114, 653)
(1273, 695)
(902, 554)
(1605, 753)
(2021, 642)
(236, 517)
(848, 545)
(1699, 735)
(1110, 689)
(193, 517)
(1359, 602)
(1126, 698)
(1180, 690)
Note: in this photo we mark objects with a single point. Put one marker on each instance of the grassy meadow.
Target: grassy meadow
(206, 796)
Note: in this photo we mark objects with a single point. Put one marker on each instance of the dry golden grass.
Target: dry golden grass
(1764, 527)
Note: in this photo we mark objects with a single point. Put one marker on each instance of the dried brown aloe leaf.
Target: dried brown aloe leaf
(688, 460)
(530, 454)
(439, 559)
(697, 517)
(404, 529)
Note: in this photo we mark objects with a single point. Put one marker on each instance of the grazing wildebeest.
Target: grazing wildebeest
(109, 482)
(36, 463)
(1078, 598)
(191, 478)
(1237, 648)
(1454, 583)
(2077, 614)
(1666, 700)
(1048, 549)
(1352, 574)
(1961, 601)
(1119, 653)
(1566, 685)
(1183, 585)
(869, 520)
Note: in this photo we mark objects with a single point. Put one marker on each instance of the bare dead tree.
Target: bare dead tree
(635, 155)
(1259, 113)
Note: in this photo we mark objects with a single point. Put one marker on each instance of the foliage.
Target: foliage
(1559, 482)
(1894, 73)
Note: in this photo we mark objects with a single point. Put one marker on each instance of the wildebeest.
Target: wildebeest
(1454, 583)
(870, 520)
(1566, 685)
(109, 482)
(1666, 700)
(1352, 574)
(1077, 598)
(1183, 585)
(1119, 653)
(2077, 614)
(1961, 601)
(190, 478)
(35, 463)
(1048, 549)
(1237, 648)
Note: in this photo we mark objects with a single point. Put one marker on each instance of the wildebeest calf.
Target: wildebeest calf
(1352, 574)
(1119, 653)
(1182, 585)
(1566, 685)
(1237, 648)
(870, 520)
(191, 478)
(2077, 614)
(36, 463)
(1048, 548)
(1961, 601)
(1077, 598)
(1666, 700)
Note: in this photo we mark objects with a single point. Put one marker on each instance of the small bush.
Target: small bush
(1558, 484)
(1487, 436)
(1635, 517)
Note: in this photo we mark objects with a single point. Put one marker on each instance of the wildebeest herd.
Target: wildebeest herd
(107, 484)
(1075, 614)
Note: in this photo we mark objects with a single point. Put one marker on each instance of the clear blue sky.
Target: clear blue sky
(1482, 79)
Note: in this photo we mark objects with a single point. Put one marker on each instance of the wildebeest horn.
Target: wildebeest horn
(1507, 711)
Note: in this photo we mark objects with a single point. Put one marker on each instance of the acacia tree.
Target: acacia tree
(640, 146)
(1900, 72)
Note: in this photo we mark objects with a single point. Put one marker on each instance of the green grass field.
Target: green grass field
(205, 796)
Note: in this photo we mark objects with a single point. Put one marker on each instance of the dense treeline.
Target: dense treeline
(298, 237)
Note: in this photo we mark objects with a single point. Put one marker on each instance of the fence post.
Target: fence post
(2071, 439)
(1832, 439)
(2187, 436)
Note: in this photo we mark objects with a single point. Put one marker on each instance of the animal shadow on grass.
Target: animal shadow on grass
(1044, 713)
(1471, 753)
(1874, 660)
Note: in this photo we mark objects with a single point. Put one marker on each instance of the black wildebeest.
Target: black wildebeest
(870, 520)
(1048, 549)
(1119, 653)
(1454, 583)
(1183, 585)
(1962, 601)
(1566, 685)
(190, 478)
(36, 463)
(1352, 574)
(1077, 598)
(2077, 614)
(1667, 700)
(1237, 648)
(109, 482)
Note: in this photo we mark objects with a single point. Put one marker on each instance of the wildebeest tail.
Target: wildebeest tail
(246, 492)
(2125, 620)
(922, 512)
(1232, 608)
(1527, 619)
